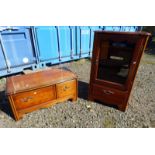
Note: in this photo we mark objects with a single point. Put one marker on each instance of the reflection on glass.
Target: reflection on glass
(114, 61)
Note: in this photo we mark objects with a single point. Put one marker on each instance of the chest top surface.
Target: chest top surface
(35, 80)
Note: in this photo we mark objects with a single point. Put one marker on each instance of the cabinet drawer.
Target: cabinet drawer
(66, 88)
(34, 97)
(109, 95)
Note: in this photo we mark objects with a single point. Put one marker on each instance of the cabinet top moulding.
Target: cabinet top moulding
(16, 84)
(128, 33)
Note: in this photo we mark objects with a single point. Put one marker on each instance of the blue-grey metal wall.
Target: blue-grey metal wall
(16, 50)
(55, 44)
(84, 40)
(122, 28)
(23, 47)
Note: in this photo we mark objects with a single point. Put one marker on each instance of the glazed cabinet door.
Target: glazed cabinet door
(114, 56)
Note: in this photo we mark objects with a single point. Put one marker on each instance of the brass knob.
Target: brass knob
(65, 88)
(108, 92)
(26, 99)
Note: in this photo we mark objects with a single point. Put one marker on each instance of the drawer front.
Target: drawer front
(109, 95)
(34, 97)
(66, 88)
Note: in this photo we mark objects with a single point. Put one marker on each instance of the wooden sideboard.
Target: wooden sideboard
(42, 89)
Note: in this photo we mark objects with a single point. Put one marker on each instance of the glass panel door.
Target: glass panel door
(114, 60)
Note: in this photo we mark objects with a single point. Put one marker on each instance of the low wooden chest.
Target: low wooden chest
(42, 89)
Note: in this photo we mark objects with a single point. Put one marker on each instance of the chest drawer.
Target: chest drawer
(66, 88)
(109, 95)
(34, 97)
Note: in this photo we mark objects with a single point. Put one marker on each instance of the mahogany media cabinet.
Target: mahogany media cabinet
(115, 60)
(37, 90)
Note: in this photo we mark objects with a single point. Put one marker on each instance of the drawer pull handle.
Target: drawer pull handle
(26, 99)
(65, 88)
(108, 92)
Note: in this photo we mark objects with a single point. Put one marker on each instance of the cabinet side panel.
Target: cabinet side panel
(15, 113)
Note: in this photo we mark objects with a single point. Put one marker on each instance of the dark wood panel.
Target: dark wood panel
(109, 95)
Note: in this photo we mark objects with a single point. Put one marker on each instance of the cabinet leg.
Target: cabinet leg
(74, 98)
(90, 98)
(122, 107)
(17, 118)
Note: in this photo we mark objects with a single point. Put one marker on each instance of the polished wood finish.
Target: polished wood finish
(42, 89)
(34, 97)
(114, 54)
(66, 88)
(109, 95)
